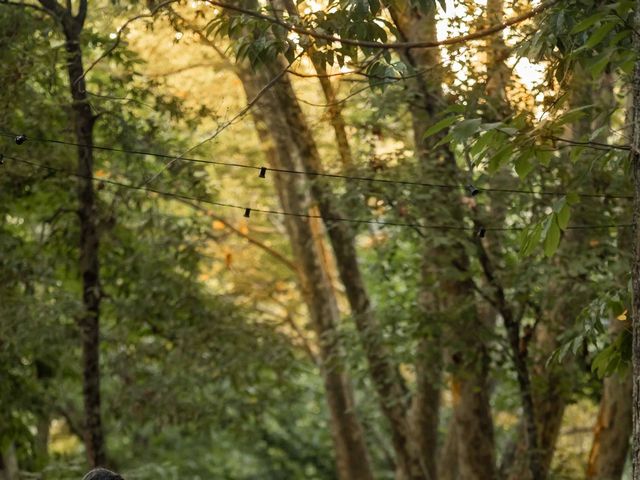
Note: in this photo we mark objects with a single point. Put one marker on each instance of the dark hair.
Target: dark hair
(102, 474)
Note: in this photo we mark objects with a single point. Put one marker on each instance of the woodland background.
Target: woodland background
(432, 282)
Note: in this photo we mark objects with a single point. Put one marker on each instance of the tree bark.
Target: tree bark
(498, 73)
(352, 455)
(10, 466)
(447, 269)
(336, 119)
(334, 109)
(89, 321)
(448, 464)
(635, 270)
(386, 379)
(613, 427)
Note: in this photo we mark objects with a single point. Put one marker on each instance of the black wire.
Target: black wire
(322, 174)
(291, 214)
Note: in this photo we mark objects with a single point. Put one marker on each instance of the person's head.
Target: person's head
(102, 474)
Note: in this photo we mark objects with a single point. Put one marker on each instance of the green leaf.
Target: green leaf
(466, 128)
(572, 198)
(447, 138)
(563, 216)
(441, 125)
(571, 116)
(529, 239)
(523, 164)
(618, 37)
(552, 238)
(599, 35)
(500, 158)
(544, 157)
(576, 153)
(597, 132)
(587, 22)
(597, 67)
(601, 362)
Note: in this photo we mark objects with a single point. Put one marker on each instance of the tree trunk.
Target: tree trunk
(352, 455)
(613, 426)
(447, 269)
(448, 464)
(10, 463)
(334, 109)
(336, 119)
(498, 73)
(89, 321)
(89, 260)
(386, 379)
(635, 270)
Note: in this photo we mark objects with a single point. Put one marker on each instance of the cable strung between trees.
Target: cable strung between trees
(475, 190)
(480, 231)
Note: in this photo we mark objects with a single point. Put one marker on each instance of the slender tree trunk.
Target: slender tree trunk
(635, 270)
(336, 119)
(392, 393)
(474, 426)
(498, 73)
(613, 427)
(351, 451)
(385, 376)
(89, 259)
(425, 405)
(89, 321)
(333, 109)
(448, 464)
(44, 374)
(10, 466)
(548, 398)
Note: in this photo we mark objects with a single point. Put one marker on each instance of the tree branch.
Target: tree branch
(28, 5)
(389, 46)
(82, 12)
(54, 8)
(520, 355)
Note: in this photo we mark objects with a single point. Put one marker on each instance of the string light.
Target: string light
(20, 139)
(331, 175)
(247, 211)
(473, 191)
(263, 172)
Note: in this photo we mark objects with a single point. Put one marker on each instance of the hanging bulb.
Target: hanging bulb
(481, 232)
(1, 159)
(263, 172)
(20, 139)
(247, 212)
(473, 191)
